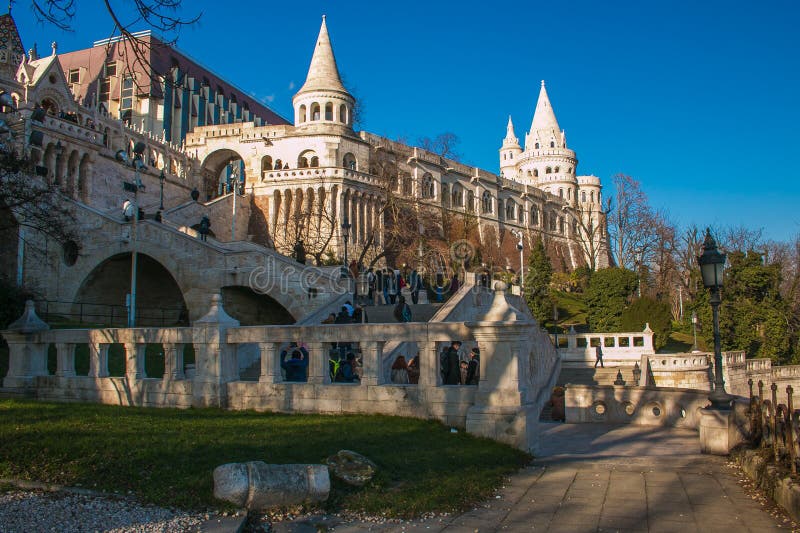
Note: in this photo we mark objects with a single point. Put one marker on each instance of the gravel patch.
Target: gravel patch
(26, 511)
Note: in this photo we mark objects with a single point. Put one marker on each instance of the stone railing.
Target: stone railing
(515, 366)
(618, 348)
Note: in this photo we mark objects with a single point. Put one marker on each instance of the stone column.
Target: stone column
(317, 363)
(430, 375)
(501, 411)
(134, 361)
(27, 350)
(65, 359)
(98, 359)
(216, 362)
(173, 360)
(270, 363)
(372, 352)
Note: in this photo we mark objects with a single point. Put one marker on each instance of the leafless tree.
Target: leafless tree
(443, 144)
(632, 224)
(589, 232)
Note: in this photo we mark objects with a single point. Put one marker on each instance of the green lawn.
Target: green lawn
(166, 456)
(680, 342)
(571, 310)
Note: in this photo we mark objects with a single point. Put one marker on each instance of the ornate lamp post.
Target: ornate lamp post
(162, 178)
(346, 236)
(712, 266)
(694, 331)
(518, 234)
(133, 209)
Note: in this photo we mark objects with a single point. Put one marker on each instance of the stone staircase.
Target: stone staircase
(583, 375)
(383, 314)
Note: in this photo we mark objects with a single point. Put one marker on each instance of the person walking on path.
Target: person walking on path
(598, 354)
(415, 286)
(452, 369)
(402, 312)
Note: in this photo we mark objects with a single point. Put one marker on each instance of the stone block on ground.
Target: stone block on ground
(351, 467)
(258, 486)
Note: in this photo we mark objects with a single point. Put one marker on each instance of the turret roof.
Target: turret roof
(511, 137)
(323, 73)
(9, 35)
(544, 118)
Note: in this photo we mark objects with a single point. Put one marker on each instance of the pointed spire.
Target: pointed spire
(544, 118)
(511, 137)
(323, 73)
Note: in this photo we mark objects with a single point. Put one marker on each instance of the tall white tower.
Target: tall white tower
(509, 152)
(323, 99)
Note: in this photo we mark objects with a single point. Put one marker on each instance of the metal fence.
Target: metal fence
(775, 426)
(109, 315)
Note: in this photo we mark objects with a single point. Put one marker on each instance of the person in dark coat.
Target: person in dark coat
(415, 285)
(474, 368)
(452, 369)
(402, 312)
(296, 367)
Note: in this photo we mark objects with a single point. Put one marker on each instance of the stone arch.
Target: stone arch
(81, 186)
(350, 161)
(72, 173)
(315, 111)
(307, 158)
(343, 114)
(160, 298)
(329, 111)
(216, 169)
(266, 163)
(252, 308)
(301, 113)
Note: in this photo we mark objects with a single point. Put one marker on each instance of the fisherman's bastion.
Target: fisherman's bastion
(296, 180)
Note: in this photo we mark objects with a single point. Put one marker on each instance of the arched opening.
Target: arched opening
(159, 300)
(221, 170)
(252, 309)
(329, 111)
(535, 172)
(548, 170)
(343, 114)
(428, 190)
(301, 114)
(470, 201)
(314, 161)
(83, 172)
(536, 146)
(266, 163)
(315, 111)
(349, 161)
(304, 160)
(552, 144)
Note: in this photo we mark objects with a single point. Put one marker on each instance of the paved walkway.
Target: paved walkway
(591, 477)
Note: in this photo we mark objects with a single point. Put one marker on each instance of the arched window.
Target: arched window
(329, 111)
(534, 216)
(315, 111)
(445, 194)
(583, 196)
(486, 202)
(569, 171)
(349, 161)
(278, 164)
(510, 155)
(314, 161)
(553, 221)
(427, 189)
(407, 186)
(511, 212)
(302, 114)
(557, 170)
(343, 114)
(552, 144)
(569, 194)
(470, 201)
(592, 196)
(302, 162)
(561, 226)
(504, 157)
(535, 172)
(548, 170)
(266, 163)
(536, 146)
(560, 193)
(458, 195)
(500, 207)
(529, 174)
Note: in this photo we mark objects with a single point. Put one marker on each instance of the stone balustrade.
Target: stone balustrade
(618, 348)
(517, 364)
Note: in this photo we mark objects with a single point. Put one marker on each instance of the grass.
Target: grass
(571, 309)
(166, 456)
(680, 342)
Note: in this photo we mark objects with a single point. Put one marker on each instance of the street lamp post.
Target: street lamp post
(162, 178)
(694, 331)
(518, 234)
(712, 266)
(135, 187)
(235, 185)
(346, 236)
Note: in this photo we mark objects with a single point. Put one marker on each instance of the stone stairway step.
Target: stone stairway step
(594, 376)
(384, 314)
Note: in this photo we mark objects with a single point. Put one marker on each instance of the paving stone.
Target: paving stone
(667, 526)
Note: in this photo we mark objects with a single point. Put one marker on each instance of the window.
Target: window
(510, 155)
(458, 195)
(552, 144)
(105, 89)
(445, 194)
(350, 161)
(583, 196)
(548, 170)
(329, 111)
(127, 94)
(535, 172)
(470, 201)
(111, 68)
(343, 114)
(557, 170)
(407, 185)
(314, 161)
(534, 216)
(74, 75)
(427, 186)
(302, 114)
(266, 163)
(486, 202)
(561, 225)
(561, 193)
(536, 146)
(510, 210)
(315, 111)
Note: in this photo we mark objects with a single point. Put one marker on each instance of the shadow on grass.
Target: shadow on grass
(166, 456)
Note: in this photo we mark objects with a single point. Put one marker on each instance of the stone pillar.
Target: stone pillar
(173, 361)
(270, 363)
(65, 359)
(317, 363)
(429, 374)
(134, 361)
(27, 350)
(718, 433)
(216, 362)
(501, 410)
(372, 352)
(98, 359)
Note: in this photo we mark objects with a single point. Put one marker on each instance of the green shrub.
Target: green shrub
(646, 310)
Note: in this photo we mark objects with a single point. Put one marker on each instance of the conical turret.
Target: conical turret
(511, 137)
(323, 97)
(11, 49)
(544, 118)
(509, 152)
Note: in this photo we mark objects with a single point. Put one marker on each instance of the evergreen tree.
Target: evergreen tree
(646, 310)
(607, 296)
(537, 283)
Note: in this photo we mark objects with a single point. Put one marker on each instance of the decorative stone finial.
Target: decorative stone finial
(217, 315)
(647, 328)
(501, 310)
(29, 322)
(542, 83)
(54, 46)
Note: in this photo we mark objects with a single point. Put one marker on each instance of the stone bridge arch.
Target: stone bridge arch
(217, 165)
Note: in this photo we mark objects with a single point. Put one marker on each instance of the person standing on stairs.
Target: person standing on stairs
(598, 354)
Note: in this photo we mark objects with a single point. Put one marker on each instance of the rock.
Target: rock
(351, 467)
(259, 486)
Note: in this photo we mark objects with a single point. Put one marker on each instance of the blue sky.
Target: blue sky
(697, 100)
